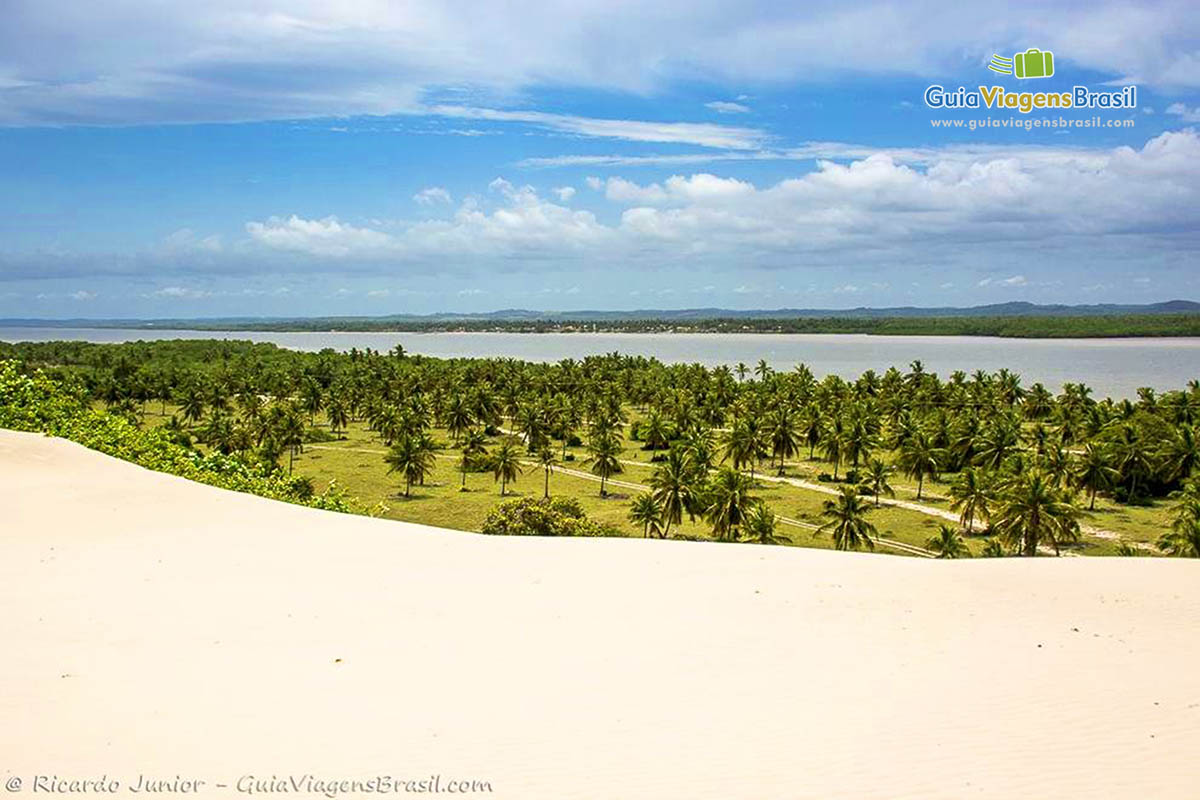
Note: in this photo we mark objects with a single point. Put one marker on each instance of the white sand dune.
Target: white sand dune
(156, 627)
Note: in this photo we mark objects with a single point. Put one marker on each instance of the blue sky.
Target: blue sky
(369, 158)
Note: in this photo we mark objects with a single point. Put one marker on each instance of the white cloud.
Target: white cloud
(962, 214)
(564, 193)
(83, 295)
(520, 224)
(876, 207)
(1015, 280)
(432, 195)
(180, 292)
(319, 237)
(1184, 113)
(289, 59)
(699, 188)
(623, 191)
(724, 107)
(696, 133)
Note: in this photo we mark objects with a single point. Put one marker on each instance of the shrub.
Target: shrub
(38, 403)
(556, 516)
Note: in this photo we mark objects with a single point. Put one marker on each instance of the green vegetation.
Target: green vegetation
(556, 516)
(1036, 326)
(620, 445)
(38, 403)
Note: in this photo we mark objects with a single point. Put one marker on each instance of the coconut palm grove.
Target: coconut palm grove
(903, 462)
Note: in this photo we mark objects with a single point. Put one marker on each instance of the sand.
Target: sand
(156, 628)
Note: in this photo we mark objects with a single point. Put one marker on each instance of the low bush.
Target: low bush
(40, 404)
(555, 516)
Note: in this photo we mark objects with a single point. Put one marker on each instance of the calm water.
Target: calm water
(1113, 367)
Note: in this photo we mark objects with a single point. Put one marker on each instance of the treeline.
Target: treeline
(1024, 462)
(1029, 327)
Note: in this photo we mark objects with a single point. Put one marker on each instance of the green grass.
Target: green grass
(363, 475)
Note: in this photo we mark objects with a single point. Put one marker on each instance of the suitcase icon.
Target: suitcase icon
(1034, 63)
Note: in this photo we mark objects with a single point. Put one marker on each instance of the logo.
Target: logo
(1033, 63)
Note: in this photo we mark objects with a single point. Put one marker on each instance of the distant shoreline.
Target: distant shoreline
(1043, 326)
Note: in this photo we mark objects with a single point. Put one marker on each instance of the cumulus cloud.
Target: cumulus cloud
(978, 209)
(228, 60)
(520, 224)
(564, 193)
(1072, 204)
(432, 195)
(319, 237)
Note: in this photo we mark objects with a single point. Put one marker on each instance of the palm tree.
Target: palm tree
(998, 442)
(993, 549)
(547, 459)
(743, 444)
(672, 484)
(971, 493)
(474, 449)
(761, 525)
(412, 458)
(919, 459)
(833, 443)
(459, 418)
(339, 416)
(858, 439)
(847, 521)
(1183, 540)
(1031, 510)
(1181, 454)
(647, 512)
(311, 398)
(948, 543)
(506, 464)
(531, 422)
(876, 479)
(290, 432)
(784, 434)
(605, 457)
(729, 502)
(655, 431)
(1131, 454)
(191, 403)
(1093, 472)
(811, 428)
